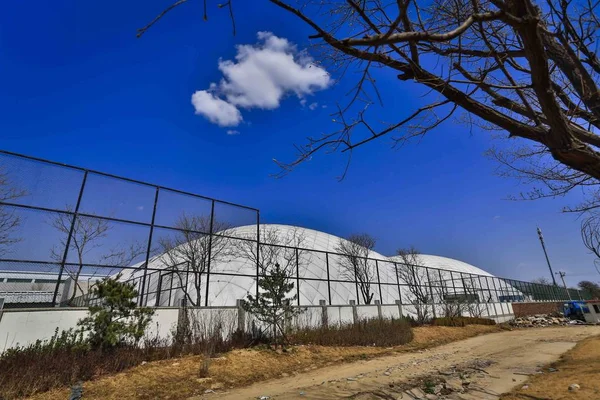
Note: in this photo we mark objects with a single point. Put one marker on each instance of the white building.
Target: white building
(28, 289)
(319, 274)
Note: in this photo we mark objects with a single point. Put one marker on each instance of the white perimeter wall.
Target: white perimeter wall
(23, 327)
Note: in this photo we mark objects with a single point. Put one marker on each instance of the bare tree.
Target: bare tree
(542, 280)
(9, 219)
(456, 296)
(355, 265)
(86, 236)
(411, 271)
(285, 248)
(474, 304)
(590, 233)
(452, 299)
(279, 258)
(191, 249)
(527, 69)
(591, 289)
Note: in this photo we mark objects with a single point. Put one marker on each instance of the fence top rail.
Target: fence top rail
(513, 284)
(42, 160)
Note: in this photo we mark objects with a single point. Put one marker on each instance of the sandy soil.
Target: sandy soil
(580, 366)
(179, 378)
(514, 356)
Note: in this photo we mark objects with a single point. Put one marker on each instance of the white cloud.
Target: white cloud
(233, 132)
(496, 217)
(217, 111)
(140, 208)
(260, 77)
(313, 106)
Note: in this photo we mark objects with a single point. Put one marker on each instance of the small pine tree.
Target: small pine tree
(272, 305)
(117, 320)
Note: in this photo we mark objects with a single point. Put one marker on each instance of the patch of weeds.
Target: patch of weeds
(429, 387)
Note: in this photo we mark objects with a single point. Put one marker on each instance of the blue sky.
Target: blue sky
(78, 87)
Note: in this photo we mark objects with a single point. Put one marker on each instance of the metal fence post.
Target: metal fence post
(356, 284)
(379, 282)
(398, 283)
(487, 308)
(68, 243)
(297, 276)
(497, 299)
(431, 292)
(453, 283)
(148, 248)
(210, 236)
(328, 277)
(257, 249)
(159, 290)
(534, 292)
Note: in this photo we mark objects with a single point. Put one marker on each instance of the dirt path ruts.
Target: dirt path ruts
(513, 353)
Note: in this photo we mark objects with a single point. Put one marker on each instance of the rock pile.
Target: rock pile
(540, 320)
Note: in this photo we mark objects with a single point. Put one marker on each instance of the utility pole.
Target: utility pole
(562, 276)
(539, 231)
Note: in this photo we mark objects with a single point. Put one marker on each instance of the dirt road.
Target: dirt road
(512, 354)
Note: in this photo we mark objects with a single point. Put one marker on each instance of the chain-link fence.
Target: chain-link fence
(63, 228)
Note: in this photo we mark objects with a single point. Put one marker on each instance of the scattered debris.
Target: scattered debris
(574, 387)
(454, 385)
(416, 393)
(541, 320)
(76, 391)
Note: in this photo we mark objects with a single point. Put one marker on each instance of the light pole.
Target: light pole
(539, 231)
(562, 276)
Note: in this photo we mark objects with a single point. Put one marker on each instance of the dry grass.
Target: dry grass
(179, 378)
(580, 365)
(368, 332)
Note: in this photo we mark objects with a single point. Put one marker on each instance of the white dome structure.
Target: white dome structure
(315, 264)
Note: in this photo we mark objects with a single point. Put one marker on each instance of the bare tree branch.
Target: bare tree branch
(524, 68)
(10, 220)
